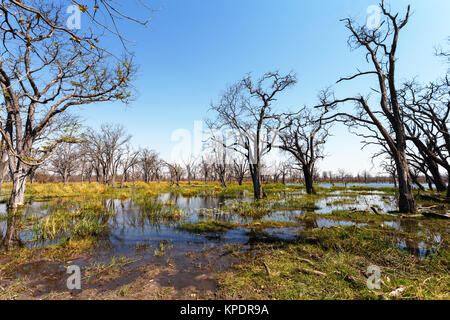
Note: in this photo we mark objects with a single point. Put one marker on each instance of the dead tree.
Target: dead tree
(239, 168)
(219, 156)
(46, 69)
(388, 166)
(65, 162)
(189, 166)
(107, 146)
(245, 109)
(129, 160)
(386, 122)
(427, 110)
(303, 136)
(175, 173)
(205, 168)
(149, 164)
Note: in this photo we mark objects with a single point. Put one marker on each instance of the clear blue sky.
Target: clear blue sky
(195, 48)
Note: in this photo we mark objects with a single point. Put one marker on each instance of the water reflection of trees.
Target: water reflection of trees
(11, 235)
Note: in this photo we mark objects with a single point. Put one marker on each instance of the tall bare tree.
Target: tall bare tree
(427, 113)
(205, 168)
(189, 166)
(239, 168)
(45, 69)
(246, 109)
(65, 162)
(384, 122)
(175, 173)
(303, 136)
(108, 146)
(150, 164)
(129, 160)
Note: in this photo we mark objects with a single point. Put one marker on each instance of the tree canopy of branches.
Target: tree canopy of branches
(43, 73)
(150, 165)
(303, 136)
(383, 124)
(245, 109)
(427, 113)
(107, 148)
(65, 162)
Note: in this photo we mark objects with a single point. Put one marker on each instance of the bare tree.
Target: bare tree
(65, 162)
(304, 136)
(43, 73)
(150, 164)
(108, 146)
(427, 110)
(220, 158)
(246, 109)
(342, 174)
(205, 168)
(189, 165)
(386, 122)
(388, 166)
(239, 168)
(175, 172)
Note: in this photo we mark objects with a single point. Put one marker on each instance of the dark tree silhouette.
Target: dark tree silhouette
(384, 123)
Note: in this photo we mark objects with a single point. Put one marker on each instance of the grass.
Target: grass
(207, 226)
(158, 211)
(331, 264)
(249, 209)
(348, 215)
(305, 202)
(69, 224)
(73, 218)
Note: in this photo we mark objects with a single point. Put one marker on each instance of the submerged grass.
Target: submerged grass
(332, 263)
(69, 224)
(217, 226)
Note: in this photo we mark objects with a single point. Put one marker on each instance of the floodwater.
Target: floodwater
(370, 184)
(145, 241)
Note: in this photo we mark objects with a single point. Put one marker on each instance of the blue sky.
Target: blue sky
(195, 48)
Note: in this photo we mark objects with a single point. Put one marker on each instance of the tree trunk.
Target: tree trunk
(256, 179)
(223, 183)
(122, 180)
(65, 178)
(19, 179)
(448, 185)
(308, 180)
(406, 202)
(437, 178)
(3, 168)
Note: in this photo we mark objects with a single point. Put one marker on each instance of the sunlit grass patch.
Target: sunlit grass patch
(249, 209)
(332, 264)
(158, 210)
(207, 226)
(303, 202)
(84, 222)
